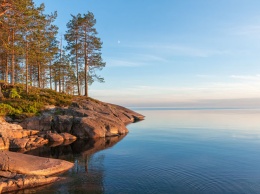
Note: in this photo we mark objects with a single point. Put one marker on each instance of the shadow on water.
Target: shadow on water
(88, 172)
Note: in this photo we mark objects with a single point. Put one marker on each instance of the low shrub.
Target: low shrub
(6, 109)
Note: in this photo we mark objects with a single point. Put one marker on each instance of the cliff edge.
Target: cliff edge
(85, 118)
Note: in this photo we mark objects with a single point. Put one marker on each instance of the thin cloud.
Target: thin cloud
(178, 50)
(135, 60)
(247, 77)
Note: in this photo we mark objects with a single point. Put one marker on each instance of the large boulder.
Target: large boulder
(28, 142)
(13, 136)
(95, 119)
(41, 123)
(62, 123)
(59, 137)
(19, 171)
(22, 164)
(20, 181)
(11, 131)
(97, 127)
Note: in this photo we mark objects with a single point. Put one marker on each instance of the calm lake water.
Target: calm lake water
(172, 151)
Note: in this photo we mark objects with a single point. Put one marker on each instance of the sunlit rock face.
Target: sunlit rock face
(19, 181)
(13, 136)
(20, 171)
(22, 163)
(85, 118)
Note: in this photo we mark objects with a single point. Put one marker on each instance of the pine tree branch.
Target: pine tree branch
(5, 8)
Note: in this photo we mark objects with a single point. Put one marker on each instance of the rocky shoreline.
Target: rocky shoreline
(84, 119)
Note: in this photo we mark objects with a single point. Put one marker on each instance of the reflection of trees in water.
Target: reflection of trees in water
(87, 175)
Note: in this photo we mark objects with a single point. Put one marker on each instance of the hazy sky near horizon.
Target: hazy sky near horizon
(176, 53)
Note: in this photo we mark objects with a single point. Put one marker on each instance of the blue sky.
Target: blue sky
(174, 53)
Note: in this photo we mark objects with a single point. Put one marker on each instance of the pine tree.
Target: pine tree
(26, 39)
(73, 46)
(30, 54)
(85, 47)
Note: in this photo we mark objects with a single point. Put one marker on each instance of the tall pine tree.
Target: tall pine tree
(85, 47)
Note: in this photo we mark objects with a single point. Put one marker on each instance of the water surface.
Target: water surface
(172, 151)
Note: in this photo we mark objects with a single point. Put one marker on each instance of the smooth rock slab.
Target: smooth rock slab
(31, 165)
(23, 182)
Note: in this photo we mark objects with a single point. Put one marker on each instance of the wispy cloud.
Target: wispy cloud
(247, 77)
(178, 49)
(214, 88)
(134, 60)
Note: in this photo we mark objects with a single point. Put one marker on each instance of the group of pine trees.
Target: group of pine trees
(32, 54)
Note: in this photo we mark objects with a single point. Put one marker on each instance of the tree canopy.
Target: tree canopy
(31, 52)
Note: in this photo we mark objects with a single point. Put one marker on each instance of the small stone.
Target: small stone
(54, 137)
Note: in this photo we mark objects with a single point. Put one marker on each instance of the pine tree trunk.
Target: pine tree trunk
(86, 65)
(6, 69)
(55, 81)
(31, 77)
(63, 80)
(26, 69)
(13, 59)
(1, 94)
(50, 77)
(77, 68)
(39, 74)
(60, 65)
(59, 79)
(86, 79)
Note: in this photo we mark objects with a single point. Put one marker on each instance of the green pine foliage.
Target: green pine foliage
(32, 103)
(14, 94)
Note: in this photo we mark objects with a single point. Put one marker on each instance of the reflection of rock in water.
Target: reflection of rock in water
(92, 146)
(83, 147)
(87, 175)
